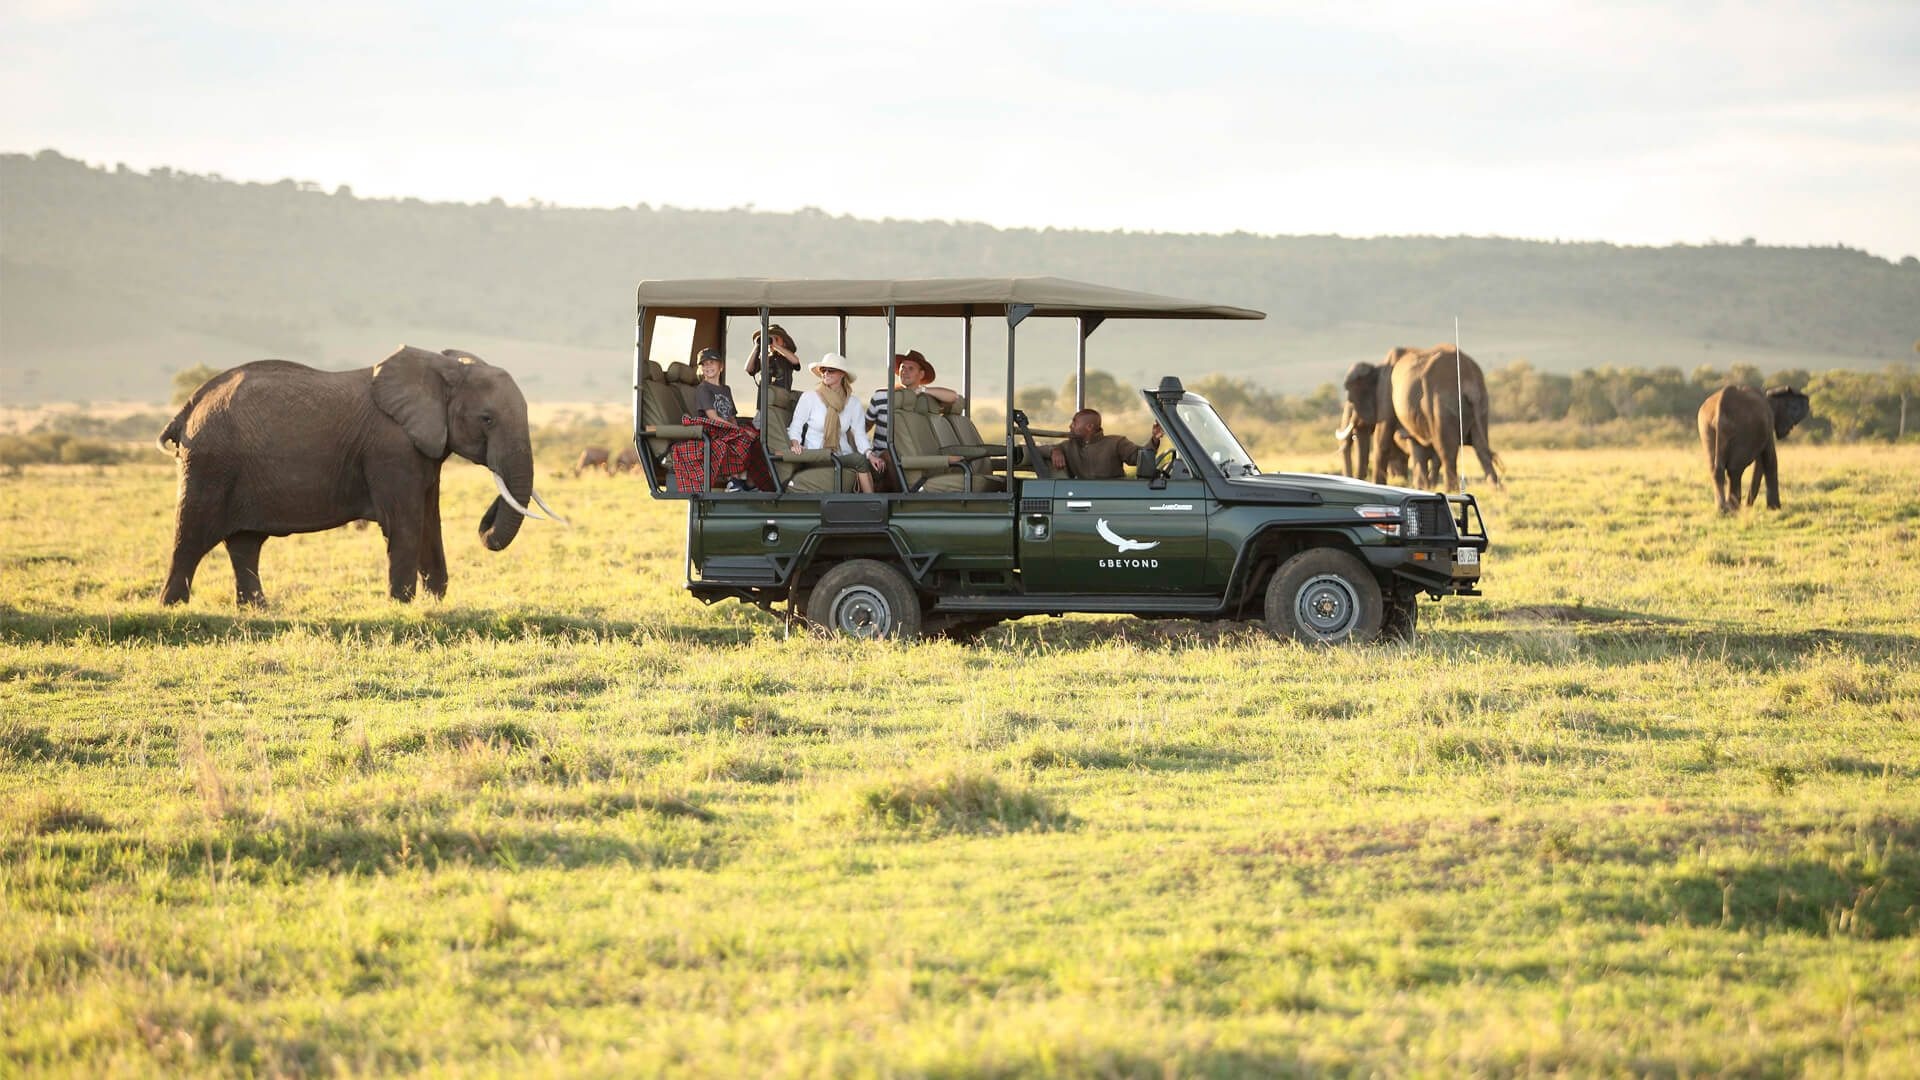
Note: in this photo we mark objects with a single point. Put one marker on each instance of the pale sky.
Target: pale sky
(1649, 124)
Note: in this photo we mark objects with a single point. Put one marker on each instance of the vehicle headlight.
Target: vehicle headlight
(1384, 518)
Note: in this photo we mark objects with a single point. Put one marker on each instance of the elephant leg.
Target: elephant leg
(191, 542)
(1450, 458)
(1770, 468)
(403, 560)
(433, 553)
(1485, 453)
(1736, 475)
(243, 550)
(1382, 453)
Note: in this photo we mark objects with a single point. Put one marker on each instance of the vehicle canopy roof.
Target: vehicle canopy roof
(1042, 296)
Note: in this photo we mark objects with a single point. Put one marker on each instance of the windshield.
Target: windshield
(1216, 442)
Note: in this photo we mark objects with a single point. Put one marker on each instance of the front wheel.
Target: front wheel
(866, 599)
(1324, 596)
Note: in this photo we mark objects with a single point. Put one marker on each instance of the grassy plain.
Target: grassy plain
(1652, 805)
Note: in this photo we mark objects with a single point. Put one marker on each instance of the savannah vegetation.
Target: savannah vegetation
(1650, 805)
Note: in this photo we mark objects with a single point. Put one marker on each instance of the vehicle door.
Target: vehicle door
(1113, 536)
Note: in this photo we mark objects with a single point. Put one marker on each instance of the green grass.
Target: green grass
(1652, 805)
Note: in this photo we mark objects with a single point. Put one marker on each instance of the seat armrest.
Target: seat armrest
(972, 451)
(925, 461)
(804, 457)
(674, 431)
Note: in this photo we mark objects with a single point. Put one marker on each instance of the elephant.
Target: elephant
(593, 457)
(628, 460)
(273, 448)
(1739, 426)
(1405, 458)
(1417, 391)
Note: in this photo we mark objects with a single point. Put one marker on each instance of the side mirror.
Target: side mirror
(1146, 467)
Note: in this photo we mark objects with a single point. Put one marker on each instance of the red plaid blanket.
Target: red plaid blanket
(735, 450)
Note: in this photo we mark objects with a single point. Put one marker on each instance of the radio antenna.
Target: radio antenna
(1460, 404)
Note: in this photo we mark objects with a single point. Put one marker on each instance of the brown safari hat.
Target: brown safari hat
(913, 355)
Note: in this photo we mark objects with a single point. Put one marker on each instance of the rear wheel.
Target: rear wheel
(1325, 597)
(865, 599)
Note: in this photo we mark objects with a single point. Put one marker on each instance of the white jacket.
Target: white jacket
(811, 414)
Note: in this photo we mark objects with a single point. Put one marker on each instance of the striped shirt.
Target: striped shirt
(877, 412)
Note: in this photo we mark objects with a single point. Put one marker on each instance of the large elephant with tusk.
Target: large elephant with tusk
(273, 448)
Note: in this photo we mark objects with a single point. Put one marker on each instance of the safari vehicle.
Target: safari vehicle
(989, 531)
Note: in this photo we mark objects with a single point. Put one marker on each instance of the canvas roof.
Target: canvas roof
(922, 297)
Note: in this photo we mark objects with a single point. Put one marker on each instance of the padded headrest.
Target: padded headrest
(655, 371)
(924, 403)
(958, 408)
(681, 373)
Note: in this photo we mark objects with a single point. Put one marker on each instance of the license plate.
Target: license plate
(1467, 556)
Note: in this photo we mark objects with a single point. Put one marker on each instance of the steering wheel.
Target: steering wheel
(1042, 463)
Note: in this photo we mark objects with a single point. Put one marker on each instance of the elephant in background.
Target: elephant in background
(1406, 459)
(273, 448)
(1740, 426)
(593, 457)
(1417, 392)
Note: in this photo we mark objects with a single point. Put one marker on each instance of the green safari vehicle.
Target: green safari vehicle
(985, 531)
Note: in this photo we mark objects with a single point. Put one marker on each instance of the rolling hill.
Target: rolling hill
(111, 279)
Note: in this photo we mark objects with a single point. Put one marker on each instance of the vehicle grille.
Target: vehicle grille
(1428, 518)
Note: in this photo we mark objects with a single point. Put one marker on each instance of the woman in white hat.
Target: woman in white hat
(822, 420)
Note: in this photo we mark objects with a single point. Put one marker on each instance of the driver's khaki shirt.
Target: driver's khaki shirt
(1101, 458)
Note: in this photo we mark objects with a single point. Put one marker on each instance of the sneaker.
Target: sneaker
(737, 484)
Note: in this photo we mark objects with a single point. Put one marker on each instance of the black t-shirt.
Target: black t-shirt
(715, 396)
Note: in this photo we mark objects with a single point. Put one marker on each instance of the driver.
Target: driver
(1091, 454)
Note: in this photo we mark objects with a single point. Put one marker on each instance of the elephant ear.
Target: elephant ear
(1359, 385)
(412, 386)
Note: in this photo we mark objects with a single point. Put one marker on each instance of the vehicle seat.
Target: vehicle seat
(685, 382)
(660, 413)
(926, 437)
(809, 472)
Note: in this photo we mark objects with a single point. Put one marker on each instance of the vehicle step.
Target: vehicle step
(1031, 604)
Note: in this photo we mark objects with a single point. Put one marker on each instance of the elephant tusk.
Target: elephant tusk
(510, 500)
(542, 503)
(1341, 435)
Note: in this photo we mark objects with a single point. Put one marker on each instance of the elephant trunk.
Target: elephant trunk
(513, 474)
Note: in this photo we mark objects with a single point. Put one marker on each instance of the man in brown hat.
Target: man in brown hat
(1091, 454)
(913, 374)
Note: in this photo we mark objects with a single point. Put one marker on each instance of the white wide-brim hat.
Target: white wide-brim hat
(832, 360)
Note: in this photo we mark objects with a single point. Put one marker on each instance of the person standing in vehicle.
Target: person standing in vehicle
(823, 420)
(780, 360)
(1091, 454)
